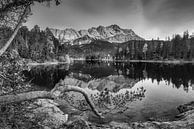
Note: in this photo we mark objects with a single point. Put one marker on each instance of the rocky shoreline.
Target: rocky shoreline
(59, 114)
(50, 116)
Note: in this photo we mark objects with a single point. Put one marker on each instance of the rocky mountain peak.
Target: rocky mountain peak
(111, 33)
(114, 27)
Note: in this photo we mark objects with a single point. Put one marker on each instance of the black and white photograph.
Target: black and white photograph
(96, 64)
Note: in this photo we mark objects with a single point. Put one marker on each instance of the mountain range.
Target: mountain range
(112, 34)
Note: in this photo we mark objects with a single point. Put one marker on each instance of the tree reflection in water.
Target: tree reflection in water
(47, 76)
(177, 74)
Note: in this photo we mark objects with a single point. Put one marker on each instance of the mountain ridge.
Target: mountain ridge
(112, 33)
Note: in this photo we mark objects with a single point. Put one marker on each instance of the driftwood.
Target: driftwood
(53, 94)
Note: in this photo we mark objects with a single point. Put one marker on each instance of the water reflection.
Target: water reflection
(47, 76)
(165, 85)
(175, 74)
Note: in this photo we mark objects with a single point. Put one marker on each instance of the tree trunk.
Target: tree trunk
(6, 99)
(68, 88)
(7, 44)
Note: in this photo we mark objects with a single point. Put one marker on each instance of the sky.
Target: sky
(148, 18)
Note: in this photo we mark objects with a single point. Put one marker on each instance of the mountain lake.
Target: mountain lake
(167, 85)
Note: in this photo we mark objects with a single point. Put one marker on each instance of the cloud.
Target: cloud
(157, 18)
(94, 7)
(172, 12)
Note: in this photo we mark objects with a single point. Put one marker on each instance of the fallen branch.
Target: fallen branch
(67, 88)
(6, 99)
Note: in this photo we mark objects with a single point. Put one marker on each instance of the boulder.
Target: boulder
(47, 114)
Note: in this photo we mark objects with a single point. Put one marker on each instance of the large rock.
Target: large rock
(47, 114)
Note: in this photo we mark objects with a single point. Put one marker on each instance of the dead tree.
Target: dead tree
(53, 94)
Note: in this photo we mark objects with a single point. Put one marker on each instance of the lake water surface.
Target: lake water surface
(167, 85)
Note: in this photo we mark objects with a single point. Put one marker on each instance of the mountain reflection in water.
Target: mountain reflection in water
(167, 85)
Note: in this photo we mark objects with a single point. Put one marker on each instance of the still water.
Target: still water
(167, 85)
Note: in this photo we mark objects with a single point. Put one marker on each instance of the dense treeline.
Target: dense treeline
(36, 44)
(178, 48)
(41, 45)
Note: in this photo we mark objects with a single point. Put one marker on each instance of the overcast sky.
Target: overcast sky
(148, 18)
